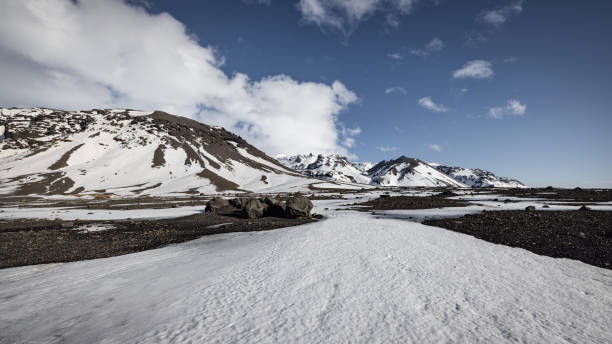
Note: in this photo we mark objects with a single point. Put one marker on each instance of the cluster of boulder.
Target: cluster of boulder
(253, 208)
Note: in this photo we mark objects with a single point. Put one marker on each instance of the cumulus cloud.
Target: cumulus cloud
(387, 149)
(396, 89)
(512, 108)
(477, 69)
(345, 15)
(72, 55)
(429, 104)
(434, 45)
(435, 147)
(501, 15)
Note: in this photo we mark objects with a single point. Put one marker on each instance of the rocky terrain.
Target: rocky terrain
(386, 202)
(583, 235)
(40, 241)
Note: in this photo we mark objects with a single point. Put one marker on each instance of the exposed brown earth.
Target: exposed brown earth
(581, 235)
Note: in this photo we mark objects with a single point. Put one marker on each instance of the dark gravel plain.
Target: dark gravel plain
(34, 241)
(386, 202)
(581, 235)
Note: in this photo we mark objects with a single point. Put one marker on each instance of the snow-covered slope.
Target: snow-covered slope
(399, 172)
(333, 167)
(128, 152)
(405, 171)
(353, 278)
(477, 178)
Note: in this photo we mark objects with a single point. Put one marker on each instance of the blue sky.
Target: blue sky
(534, 106)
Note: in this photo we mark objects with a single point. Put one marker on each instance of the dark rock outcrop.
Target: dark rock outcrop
(216, 204)
(298, 206)
(254, 209)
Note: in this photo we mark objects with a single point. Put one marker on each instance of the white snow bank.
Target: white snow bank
(350, 278)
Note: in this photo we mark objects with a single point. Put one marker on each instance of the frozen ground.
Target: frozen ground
(349, 278)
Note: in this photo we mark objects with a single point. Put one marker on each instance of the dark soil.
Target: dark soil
(27, 242)
(576, 194)
(410, 202)
(581, 235)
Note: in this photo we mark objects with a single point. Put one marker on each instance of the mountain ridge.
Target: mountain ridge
(402, 171)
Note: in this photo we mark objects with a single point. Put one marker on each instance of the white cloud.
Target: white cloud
(435, 147)
(395, 56)
(429, 104)
(345, 15)
(395, 89)
(477, 69)
(513, 107)
(501, 15)
(387, 149)
(74, 55)
(434, 45)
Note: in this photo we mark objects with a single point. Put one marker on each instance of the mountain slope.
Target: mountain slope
(474, 177)
(334, 167)
(405, 171)
(126, 152)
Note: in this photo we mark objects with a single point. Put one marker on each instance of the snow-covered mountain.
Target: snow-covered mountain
(477, 178)
(405, 171)
(334, 167)
(399, 172)
(124, 152)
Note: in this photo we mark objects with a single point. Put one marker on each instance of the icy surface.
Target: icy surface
(349, 278)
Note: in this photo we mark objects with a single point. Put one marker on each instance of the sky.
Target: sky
(520, 88)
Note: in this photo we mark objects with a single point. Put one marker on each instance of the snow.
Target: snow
(123, 168)
(69, 213)
(349, 278)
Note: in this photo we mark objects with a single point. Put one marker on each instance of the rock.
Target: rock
(254, 209)
(584, 208)
(215, 204)
(238, 202)
(385, 195)
(298, 206)
(317, 216)
(545, 206)
(276, 207)
(67, 224)
(530, 208)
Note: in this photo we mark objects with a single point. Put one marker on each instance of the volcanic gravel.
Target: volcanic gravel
(410, 202)
(27, 242)
(581, 235)
(576, 194)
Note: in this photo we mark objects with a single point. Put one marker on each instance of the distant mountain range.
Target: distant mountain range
(402, 171)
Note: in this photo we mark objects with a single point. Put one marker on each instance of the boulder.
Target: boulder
(216, 204)
(584, 208)
(530, 208)
(298, 206)
(254, 209)
(238, 202)
(276, 207)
